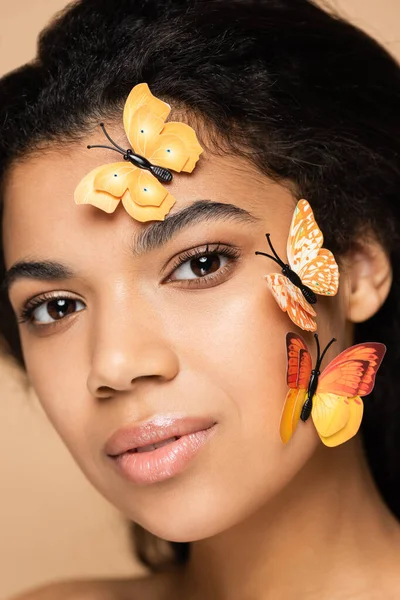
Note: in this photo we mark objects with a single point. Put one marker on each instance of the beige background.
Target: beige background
(53, 524)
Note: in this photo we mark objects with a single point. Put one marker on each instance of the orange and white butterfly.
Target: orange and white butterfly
(156, 147)
(333, 398)
(310, 270)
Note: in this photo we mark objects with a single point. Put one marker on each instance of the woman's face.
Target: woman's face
(134, 336)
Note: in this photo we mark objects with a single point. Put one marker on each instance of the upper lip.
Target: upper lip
(156, 430)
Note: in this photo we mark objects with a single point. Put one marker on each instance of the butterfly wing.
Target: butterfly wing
(321, 274)
(316, 266)
(305, 238)
(291, 300)
(299, 363)
(146, 198)
(104, 186)
(353, 371)
(299, 366)
(176, 148)
(144, 117)
(343, 414)
(170, 145)
(337, 406)
(142, 195)
(294, 401)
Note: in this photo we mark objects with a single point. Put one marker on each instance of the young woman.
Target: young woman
(136, 332)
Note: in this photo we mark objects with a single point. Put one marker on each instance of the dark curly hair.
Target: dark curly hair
(302, 94)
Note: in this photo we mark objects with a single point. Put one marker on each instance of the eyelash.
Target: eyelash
(27, 311)
(229, 252)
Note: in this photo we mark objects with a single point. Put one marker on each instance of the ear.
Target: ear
(369, 274)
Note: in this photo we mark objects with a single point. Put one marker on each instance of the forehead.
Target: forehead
(40, 213)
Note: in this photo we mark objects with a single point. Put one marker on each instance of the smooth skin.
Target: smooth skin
(143, 337)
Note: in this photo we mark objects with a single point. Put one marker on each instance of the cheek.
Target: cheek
(332, 323)
(240, 348)
(55, 369)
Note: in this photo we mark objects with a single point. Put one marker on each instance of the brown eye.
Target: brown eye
(54, 310)
(200, 266)
(205, 265)
(57, 309)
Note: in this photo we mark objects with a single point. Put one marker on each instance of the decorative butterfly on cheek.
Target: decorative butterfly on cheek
(333, 398)
(310, 270)
(157, 147)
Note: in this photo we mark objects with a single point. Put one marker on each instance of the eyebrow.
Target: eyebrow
(44, 270)
(154, 236)
(160, 232)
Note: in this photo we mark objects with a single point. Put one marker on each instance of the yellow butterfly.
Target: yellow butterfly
(157, 147)
(333, 398)
(311, 269)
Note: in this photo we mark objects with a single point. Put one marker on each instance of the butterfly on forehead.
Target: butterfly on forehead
(310, 269)
(157, 148)
(333, 397)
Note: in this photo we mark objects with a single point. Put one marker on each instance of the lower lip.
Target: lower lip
(163, 463)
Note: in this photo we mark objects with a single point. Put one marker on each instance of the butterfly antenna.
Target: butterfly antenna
(327, 348)
(275, 257)
(107, 147)
(111, 140)
(318, 351)
(268, 236)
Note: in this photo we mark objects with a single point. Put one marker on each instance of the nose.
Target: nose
(127, 348)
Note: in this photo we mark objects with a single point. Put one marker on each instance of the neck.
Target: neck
(326, 527)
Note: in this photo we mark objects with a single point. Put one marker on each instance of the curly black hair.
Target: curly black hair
(305, 96)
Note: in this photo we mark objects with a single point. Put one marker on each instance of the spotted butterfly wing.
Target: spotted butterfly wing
(316, 266)
(172, 145)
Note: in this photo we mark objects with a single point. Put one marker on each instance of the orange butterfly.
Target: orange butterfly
(333, 398)
(311, 269)
(157, 147)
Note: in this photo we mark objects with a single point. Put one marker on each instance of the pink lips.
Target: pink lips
(151, 465)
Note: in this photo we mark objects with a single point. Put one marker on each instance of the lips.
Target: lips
(151, 447)
(163, 428)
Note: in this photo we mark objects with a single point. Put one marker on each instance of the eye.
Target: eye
(44, 311)
(202, 265)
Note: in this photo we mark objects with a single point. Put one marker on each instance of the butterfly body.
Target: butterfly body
(312, 388)
(295, 279)
(162, 174)
(332, 397)
(137, 160)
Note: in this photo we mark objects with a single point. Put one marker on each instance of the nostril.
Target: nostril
(104, 392)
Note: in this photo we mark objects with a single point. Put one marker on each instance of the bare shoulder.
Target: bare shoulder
(152, 587)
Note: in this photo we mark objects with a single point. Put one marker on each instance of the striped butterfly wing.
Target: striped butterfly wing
(299, 366)
(337, 405)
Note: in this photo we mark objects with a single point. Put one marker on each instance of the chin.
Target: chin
(185, 530)
(190, 517)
